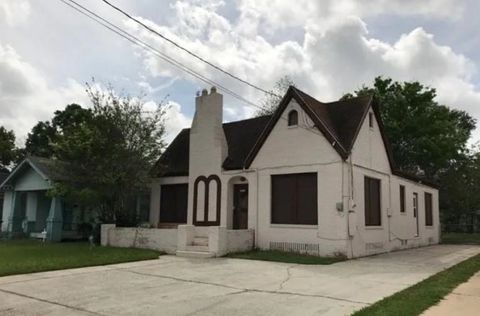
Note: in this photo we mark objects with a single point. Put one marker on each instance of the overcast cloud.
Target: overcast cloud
(48, 51)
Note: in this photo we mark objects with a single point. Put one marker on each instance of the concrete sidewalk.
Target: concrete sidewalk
(180, 286)
(464, 300)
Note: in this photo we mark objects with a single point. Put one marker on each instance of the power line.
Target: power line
(138, 42)
(187, 50)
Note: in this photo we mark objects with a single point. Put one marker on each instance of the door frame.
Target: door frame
(236, 190)
(416, 213)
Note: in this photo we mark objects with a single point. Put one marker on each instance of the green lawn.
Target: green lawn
(26, 256)
(280, 256)
(419, 297)
(461, 238)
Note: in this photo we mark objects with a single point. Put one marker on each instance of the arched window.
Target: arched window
(292, 118)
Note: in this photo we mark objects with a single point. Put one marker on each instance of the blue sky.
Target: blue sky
(48, 51)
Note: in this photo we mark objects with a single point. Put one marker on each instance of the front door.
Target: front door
(415, 211)
(240, 206)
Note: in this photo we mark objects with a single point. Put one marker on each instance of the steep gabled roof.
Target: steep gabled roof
(338, 121)
(240, 135)
(48, 169)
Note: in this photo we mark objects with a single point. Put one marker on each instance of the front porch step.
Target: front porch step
(195, 254)
(200, 241)
(197, 248)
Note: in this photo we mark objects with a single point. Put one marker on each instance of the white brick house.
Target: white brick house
(313, 177)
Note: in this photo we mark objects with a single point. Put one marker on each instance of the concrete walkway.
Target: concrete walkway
(181, 286)
(464, 300)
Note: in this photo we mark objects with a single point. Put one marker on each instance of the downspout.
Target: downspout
(256, 233)
(389, 212)
(351, 203)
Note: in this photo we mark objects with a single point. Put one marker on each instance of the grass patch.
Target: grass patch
(419, 297)
(461, 238)
(281, 256)
(27, 256)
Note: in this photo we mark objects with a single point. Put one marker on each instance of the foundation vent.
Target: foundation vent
(310, 249)
(431, 240)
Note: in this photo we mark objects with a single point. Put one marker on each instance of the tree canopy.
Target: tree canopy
(7, 148)
(431, 140)
(45, 133)
(427, 138)
(270, 103)
(110, 150)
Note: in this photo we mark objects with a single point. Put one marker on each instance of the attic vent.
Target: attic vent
(310, 249)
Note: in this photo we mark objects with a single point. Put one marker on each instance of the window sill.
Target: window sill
(429, 227)
(292, 126)
(373, 227)
(301, 226)
(403, 213)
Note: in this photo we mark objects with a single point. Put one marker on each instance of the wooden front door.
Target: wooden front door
(240, 206)
(415, 213)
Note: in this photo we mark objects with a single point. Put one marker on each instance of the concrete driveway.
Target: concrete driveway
(181, 286)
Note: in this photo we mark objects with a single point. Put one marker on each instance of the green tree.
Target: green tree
(110, 154)
(270, 103)
(7, 148)
(39, 140)
(427, 138)
(45, 133)
(460, 196)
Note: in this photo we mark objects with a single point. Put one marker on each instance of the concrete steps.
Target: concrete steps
(200, 241)
(198, 248)
(195, 254)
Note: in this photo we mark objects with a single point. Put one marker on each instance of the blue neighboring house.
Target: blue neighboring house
(27, 208)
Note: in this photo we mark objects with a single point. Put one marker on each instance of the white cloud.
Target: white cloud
(336, 53)
(175, 120)
(26, 97)
(14, 12)
(335, 56)
(278, 14)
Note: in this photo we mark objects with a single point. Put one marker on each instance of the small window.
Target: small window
(402, 199)
(294, 199)
(428, 209)
(370, 119)
(373, 216)
(293, 118)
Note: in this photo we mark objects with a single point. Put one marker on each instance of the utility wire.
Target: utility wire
(187, 50)
(138, 42)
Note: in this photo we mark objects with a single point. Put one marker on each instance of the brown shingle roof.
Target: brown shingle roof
(339, 121)
(343, 118)
(240, 135)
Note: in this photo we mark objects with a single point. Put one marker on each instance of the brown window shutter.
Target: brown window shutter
(367, 201)
(307, 199)
(294, 199)
(173, 203)
(373, 215)
(428, 209)
(402, 199)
